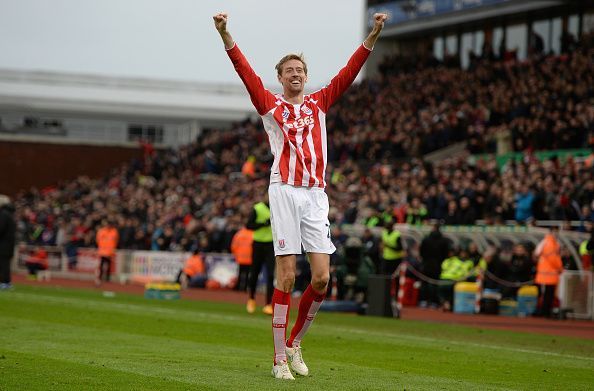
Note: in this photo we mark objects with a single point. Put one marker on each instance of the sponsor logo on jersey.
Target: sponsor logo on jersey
(286, 113)
(301, 122)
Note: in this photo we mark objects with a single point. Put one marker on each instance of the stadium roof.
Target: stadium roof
(419, 21)
(104, 95)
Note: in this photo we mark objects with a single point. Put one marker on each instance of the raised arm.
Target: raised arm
(220, 21)
(378, 25)
(345, 77)
(262, 99)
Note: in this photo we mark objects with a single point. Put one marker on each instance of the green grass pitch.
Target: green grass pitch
(63, 339)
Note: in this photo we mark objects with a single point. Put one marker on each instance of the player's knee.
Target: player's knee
(320, 281)
(286, 281)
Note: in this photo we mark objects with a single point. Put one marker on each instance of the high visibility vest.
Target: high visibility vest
(241, 246)
(410, 215)
(372, 222)
(107, 241)
(481, 266)
(585, 255)
(248, 168)
(584, 248)
(549, 262)
(390, 240)
(453, 268)
(263, 234)
(194, 265)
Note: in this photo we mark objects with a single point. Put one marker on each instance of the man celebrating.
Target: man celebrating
(296, 128)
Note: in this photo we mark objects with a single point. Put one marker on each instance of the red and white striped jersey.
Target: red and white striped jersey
(297, 132)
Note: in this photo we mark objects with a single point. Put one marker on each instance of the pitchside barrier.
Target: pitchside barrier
(483, 236)
(576, 294)
(575, 291)
(128, 266)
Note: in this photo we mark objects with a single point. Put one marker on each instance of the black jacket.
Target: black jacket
(7, 231)
(434, 249)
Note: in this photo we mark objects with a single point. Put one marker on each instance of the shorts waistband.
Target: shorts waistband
(304, 188)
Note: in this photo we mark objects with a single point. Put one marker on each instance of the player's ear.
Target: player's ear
(279, 78)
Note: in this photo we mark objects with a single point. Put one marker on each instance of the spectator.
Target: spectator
(466, 214)
(520, 269)
(433, 251)
(524, 198)
(452, 216)
(496, 269)
(7, 240)
(416, 213)
(453, 269)
(371, 247)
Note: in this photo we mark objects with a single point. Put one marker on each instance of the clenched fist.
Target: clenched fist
(220, 21)
(379, 20)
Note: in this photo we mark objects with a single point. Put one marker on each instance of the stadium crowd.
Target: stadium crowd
(200, 195)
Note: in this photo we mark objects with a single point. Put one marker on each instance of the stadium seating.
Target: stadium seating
(174, 200)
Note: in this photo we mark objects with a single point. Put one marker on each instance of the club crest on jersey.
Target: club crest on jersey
(306, 110)
(281, 243)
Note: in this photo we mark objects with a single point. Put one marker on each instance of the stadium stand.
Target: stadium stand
(197, 196)
(200, 189)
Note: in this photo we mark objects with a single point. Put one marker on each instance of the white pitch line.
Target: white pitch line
(480, 345)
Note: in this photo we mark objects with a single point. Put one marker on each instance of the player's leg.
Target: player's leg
(100, 271)
(105, 261)
(315, 233)
(109, 268)
(284, 217)
(312, 298)
(242, 280)
(270, 262)
(548, 299)
(310, 303)
(281, 301)
(286, 208)
(258, 252)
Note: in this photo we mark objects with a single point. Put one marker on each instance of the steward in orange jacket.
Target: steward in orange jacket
(193, 274)
(241, 248)
(38, 261)
(107, 242)
(549, 265)
(194, 265)
(548, 269)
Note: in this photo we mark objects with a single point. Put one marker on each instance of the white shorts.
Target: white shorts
(299, 217)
